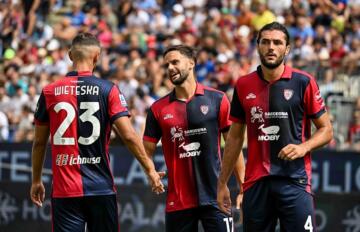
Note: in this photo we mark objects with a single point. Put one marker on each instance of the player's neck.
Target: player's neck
(272, 75)
(186, 90)
(83, 66)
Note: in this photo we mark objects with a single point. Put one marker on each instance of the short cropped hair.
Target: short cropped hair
(85, 39)
(185, 50)
(277, 27)
(81, 46)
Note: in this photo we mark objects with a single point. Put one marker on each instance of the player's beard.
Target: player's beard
(274, 64)
(182, 78)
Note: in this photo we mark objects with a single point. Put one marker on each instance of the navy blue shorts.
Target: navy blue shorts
(74, 214)
(273, 198)
(211, 218)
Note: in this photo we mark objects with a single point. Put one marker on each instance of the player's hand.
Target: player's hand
(155, 181)
(37, 193)
(223, 198)
(292, 151)
(239, 201)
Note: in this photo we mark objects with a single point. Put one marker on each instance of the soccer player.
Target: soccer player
(277, 104)
(189, 121)
(78, 112)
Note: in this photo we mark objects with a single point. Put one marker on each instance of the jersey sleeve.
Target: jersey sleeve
(41, 116)
(237, 113)
(117, 104)
(313, 102)
(152, 131)
(224, 120)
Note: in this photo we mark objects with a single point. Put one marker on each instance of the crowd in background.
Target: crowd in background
(36, 35)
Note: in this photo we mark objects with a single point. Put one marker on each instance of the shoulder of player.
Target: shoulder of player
(302, 74)
(212, 90)
(161, 101)
(246, 79)
(218, 94)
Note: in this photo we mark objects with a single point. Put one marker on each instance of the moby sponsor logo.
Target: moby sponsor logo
(270, 133)
(191, 150)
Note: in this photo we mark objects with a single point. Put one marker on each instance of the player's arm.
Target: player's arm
(233, 147)
(322, 136)
(37, 192)
(239, 172)
(133, 143)
(150, 148)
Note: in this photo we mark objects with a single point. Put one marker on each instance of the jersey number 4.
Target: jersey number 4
(87, 116)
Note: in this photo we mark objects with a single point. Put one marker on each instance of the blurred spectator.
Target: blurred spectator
(109, 17)
(11, 25)
(16, 103)
(104, 34)
(351, 61)
(279, 6)
(33, 98)
(204, 66)
(354, 129)
(77, 16)
(263, 15)
(301, 54)
(177, 18)
(4, 98)
(24, 130)
(123, 11)
(30, 7)
(14, 81)
(304, 30)
(245, 15)
(65, 30)
(158, 22)
(4, 127)
(337, 53)
(138, 18)
(146, 5)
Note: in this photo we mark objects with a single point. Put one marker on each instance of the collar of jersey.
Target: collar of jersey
(285, 75)
(198, 91)
(76, 73)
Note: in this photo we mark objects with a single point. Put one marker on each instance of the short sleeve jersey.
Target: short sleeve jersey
(276, 114)
(190, 133)
(79, 110)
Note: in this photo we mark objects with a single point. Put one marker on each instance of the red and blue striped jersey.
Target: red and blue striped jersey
(190, 133)
(276, 114)
(79, 110)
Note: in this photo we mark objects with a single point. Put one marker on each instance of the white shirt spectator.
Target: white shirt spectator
(192, 3)
(138, 18)
(158, 22)
(279, 6)
(17, 102)
(177, 18)
(4, 103)
(4, 127)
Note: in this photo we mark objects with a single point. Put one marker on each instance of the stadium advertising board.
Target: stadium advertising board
(336, 182)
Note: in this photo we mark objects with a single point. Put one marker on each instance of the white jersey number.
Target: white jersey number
(308, 224)
(87, 116)
(229, 224)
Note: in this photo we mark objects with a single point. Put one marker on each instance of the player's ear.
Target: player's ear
(96, 57)
(192, 64)
(288, 48)
(70, 55)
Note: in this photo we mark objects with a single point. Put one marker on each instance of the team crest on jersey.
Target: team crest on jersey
(256, 114)
(177, 133)
(288, 93)
(204, 109)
